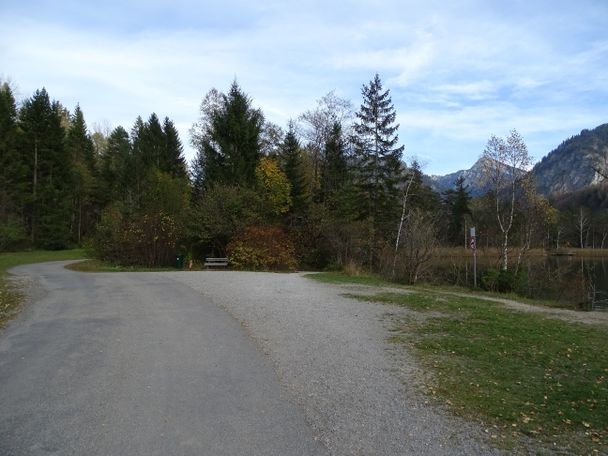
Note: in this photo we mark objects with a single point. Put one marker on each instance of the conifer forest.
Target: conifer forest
(332, 189)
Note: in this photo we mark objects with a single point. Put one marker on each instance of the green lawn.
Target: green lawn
(518, 373)
(11, 296)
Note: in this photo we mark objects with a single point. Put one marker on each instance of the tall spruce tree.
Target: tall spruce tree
(293, 167)
(334, 170)
(378, 162)
(153, 143)
(80, 147)
(456, 203)
(197, 176)
(421, 196)
(230, 148)
(316, 129)
(13, 176)
(138, 160)
(49, 167)
(116, 169)
(172, 161)
(376, 152)
(10, 172)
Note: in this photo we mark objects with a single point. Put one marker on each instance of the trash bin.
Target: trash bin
(179, 261)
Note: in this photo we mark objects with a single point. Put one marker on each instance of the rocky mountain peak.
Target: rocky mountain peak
(569, 167)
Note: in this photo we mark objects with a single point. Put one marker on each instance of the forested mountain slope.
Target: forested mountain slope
(568, 168)
(571, 165)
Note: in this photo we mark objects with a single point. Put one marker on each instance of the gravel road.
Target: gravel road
(137, 364)
(211, 363)
(359, 393)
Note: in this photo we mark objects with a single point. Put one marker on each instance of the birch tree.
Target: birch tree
(505, 167)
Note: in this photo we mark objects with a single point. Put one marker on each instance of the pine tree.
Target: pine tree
(316, 128)
(172, 161)
(378, 162)
(138, 160)
(377, 157)
(334, 171)
(49, 168)
(197, 176)
(456, 202)
(293, 167)
(231, 146)
(13, 176)
(79, 141)
(10, 175)
(153, 143)
(57, 190)
(117, 167)
(80, 147)
(421, 196)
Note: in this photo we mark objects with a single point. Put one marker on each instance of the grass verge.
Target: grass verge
(520, 374)
(102, 266)
(10, 294)
(340, 277)
(379, 281)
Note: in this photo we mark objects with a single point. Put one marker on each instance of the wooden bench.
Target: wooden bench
(216, 262)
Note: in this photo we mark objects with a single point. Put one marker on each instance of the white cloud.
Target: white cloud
(457, 72)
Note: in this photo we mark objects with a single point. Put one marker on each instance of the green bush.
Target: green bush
(489, 279)
(503, 281)
(145, 234)
(12, 235)
(147, 239)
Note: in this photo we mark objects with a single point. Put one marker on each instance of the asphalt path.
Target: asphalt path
(137, 364)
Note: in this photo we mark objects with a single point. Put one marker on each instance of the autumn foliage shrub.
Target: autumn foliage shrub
(149, 239)
(262, 247)
(145, 232)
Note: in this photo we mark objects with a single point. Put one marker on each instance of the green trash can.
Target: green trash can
(179, 261)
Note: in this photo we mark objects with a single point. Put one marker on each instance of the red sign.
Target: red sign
(473, 243)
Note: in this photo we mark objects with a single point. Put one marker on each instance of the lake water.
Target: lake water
(573, 281)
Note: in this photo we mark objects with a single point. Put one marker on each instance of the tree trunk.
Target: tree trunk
(79, 221)
(505, 244)
(372, 243)
(34, 191)
(581, 227)
(403, 211)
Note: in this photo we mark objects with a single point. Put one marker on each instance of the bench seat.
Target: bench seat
(216, 262)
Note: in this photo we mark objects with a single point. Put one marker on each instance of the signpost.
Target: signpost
(473, 246)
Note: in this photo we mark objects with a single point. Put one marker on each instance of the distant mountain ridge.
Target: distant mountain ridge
(473, 177)
(568, 168)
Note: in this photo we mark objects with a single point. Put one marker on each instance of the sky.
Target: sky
(458, 71)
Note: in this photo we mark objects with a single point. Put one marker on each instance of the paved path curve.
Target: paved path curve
(137, 364)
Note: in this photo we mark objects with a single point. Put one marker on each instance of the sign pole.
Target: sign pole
(473, 245)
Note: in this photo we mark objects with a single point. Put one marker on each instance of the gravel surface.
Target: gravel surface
(135, 364)
(360, 394)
